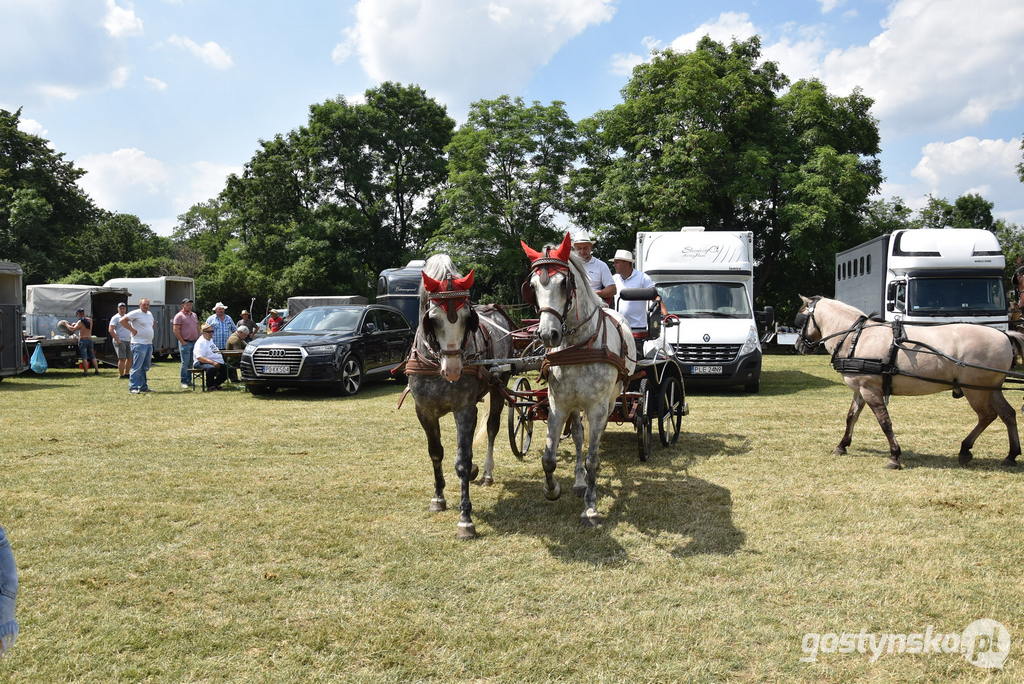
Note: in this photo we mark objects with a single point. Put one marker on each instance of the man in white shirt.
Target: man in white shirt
(598, 273)
(140, 324)
(627, 277)
(208, 357)
(121, 339)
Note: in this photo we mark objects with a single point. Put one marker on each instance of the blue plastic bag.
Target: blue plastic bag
(38, 362)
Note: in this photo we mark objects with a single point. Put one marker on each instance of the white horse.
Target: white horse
(590, 354)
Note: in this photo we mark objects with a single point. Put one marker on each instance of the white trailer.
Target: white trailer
(165, 294)
(926, 276)
(47, 305)
(707, 280)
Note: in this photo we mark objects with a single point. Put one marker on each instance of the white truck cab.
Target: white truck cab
(707, 280)
(926, 276)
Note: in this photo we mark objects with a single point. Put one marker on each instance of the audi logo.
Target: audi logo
(276, 353)
(707, 338)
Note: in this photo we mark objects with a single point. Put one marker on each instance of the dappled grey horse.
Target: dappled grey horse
(875, 361)
(451, 332)
(590, 354)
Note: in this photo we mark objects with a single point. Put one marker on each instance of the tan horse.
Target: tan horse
(988, 353)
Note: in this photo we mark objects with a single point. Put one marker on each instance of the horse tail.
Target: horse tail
(1017, 344)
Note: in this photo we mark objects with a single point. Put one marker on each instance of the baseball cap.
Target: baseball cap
(124, 304)
(185, 300)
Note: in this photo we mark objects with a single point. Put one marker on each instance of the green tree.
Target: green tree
(706, 138)
(973, 211)
(116, 237)
(41, 207)
(507, 167)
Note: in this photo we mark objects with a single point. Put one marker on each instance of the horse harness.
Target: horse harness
(585, 352)
(849, 364)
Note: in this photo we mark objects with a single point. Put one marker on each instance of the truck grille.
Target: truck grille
(706, 353)
(277, 356)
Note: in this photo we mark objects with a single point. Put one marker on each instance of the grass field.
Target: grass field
(221, 536)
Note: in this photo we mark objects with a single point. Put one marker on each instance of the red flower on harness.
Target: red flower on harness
(450, 294)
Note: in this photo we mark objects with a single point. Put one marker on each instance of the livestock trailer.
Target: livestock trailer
(46, 305)
(12, 355)
(399, 287)
(165, 294)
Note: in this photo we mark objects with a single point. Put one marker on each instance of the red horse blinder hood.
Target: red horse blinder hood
(451, 294)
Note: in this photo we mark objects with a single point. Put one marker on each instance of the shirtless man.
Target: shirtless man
(83, 328)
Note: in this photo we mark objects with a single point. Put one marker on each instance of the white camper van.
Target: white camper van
(926, 276)
(165, 294)
(707, 280)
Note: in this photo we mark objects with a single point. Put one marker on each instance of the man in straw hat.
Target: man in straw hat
(627, 277)
(222, 324)
(598, 273)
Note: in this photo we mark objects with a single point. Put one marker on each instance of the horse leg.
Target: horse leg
(876, 401)
(597, 418)
(579, 486)
(556, 419)
(435, 449)
(851, 419)
(981, 402)
(493, 425)
(465, 426)
(1009, 417)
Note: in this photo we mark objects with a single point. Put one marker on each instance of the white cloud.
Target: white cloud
(829, 5)
(937, 63)
(115, 179)
(121, 21)
(155, 83)
(201, 181)
(623, 64)
(31, 126)
(58, 92)
(727, 27)
(119, 77)
(970, 164)
(343, 50)
(461, 51)
(209, 52)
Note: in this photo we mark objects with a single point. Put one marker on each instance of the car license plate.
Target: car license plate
(707, 370)
(276, 370)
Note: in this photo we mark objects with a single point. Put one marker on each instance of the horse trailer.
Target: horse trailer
(47, 305)
(707, 280)
(399, 287)
(165, 294)
(12, 351)
(926, 276)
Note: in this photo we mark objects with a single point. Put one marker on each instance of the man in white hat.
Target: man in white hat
(222, 324)
(627, 277)
(598, 273)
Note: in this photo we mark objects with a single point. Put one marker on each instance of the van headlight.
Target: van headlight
(752, 344)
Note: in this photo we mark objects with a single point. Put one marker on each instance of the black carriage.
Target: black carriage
(655, 391)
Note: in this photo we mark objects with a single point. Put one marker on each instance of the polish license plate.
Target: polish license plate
(276, 370)
(707, 370)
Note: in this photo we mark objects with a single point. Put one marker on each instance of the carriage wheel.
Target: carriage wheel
(642, 422)
(670, 410)
(520, 425)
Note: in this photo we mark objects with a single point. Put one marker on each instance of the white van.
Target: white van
(707, 280)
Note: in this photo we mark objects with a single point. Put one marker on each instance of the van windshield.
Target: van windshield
(956, 296)
(705, 300)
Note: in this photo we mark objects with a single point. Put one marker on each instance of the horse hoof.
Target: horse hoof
(579, 490)
(487, 481)
(839, 451)
(554, 493)
(965, 457)
(473, 473)
(437, 505)
(591, 518)
(894, 465)
(1010, 462)
(467, 530)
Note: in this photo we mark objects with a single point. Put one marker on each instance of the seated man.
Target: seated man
(208, 357)
(238, 340)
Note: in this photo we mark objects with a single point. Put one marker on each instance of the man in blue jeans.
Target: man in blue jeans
(140, 324)
(186, 329)
(8, 592)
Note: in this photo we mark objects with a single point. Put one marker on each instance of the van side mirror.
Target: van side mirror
(890, 297)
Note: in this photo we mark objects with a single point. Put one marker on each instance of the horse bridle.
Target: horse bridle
(802, 320)
(450, 301)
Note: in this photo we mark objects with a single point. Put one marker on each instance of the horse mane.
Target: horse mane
(844, 307)
(439, 267)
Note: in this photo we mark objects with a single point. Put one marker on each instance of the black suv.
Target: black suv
(328, 346)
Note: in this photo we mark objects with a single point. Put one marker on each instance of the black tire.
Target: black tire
(261, 390)
(350, 375)
(520, 426)
(642, 422)
(670, 409)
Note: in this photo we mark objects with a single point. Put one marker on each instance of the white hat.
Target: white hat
(582, 236)
(219, 305)
(623, 255)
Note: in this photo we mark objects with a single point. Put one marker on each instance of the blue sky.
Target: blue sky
(160, 99)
